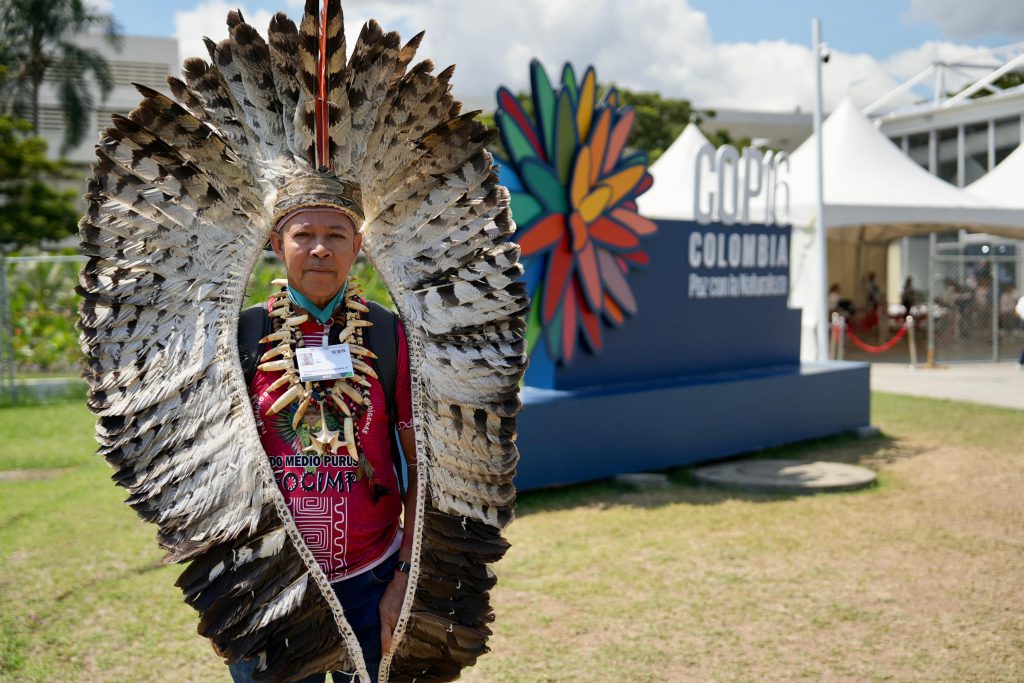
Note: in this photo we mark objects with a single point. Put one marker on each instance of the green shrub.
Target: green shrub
(44, 309)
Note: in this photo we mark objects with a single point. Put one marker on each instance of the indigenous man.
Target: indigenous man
(343, 496)
(281, 510)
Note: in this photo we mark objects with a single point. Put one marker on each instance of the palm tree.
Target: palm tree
(37, 42)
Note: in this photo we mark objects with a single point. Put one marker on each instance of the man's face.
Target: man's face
(318, 248)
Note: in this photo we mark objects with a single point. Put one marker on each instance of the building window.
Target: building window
(975, 151)
(917, 148)
(126, 73)
(103, 120)
(51, 119)
(1007, 134)
(147, 73)
(947, 155)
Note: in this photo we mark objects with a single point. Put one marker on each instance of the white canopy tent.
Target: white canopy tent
(869, 182)
(873, 194)
(674, 174)
(1003, 185)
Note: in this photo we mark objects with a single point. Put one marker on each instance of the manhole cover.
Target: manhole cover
(788, 476)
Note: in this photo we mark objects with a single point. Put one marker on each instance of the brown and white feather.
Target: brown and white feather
(177, 217)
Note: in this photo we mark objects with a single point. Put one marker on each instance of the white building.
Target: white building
(142, 59)
(783, 131)
(959, 137)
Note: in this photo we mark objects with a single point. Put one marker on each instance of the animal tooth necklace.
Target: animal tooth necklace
(349, 395)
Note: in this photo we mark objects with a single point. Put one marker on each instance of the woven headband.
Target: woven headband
(318, 208)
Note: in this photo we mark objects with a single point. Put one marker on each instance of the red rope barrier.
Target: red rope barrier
(876, 349)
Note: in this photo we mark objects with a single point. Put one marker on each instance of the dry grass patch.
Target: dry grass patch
(917, 579)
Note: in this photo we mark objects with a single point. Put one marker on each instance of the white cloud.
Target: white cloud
(908, 63)
(967, 20)
(662, 45)
(100, 5)
(210, 19)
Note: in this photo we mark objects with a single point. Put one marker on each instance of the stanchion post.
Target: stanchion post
(910, 338)
(833, 340)
(840, 347)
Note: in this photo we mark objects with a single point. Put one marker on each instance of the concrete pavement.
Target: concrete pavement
(997, 384)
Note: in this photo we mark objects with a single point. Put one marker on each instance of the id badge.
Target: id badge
(318, 363)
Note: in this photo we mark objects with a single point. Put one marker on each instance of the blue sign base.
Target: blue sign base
(571, 436)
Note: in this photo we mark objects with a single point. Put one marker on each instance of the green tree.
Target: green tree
(659, 120)
(37, 42)
(1008, 80)
(31, 210)
(721, 136)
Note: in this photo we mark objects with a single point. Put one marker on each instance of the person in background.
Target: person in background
(874, 294)
(907, 295)
(833, 298)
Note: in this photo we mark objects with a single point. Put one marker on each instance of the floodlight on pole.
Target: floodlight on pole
(821, 56)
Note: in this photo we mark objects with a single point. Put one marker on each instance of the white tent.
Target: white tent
(870, 183)
(671, 196)
(873, 194)
(1003, 184)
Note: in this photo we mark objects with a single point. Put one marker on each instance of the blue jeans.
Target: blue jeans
(360, 598)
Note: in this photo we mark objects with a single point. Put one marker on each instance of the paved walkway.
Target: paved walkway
(997, 384)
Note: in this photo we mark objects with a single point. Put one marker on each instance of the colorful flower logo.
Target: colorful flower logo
(574, 188)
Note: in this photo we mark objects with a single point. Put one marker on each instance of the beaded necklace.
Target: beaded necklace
(348, 396)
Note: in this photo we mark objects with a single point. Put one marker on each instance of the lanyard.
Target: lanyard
(322, 315)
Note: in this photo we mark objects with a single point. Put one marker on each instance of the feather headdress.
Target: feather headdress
(183, 196)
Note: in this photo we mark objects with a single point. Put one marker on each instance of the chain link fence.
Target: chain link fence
(39, 346)
(974, 313)
(38, 308)
(973, 317)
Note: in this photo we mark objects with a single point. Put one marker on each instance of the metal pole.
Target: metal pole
(911, 340)
(819, 228)
(995, 309)
(932, 245)
(842, 337)
(883, 323)
(833, 338)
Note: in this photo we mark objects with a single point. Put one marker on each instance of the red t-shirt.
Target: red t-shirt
(345, 529)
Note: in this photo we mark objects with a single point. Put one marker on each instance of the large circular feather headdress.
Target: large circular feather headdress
(183, 197)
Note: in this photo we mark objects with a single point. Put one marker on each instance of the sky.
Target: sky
(737, 54)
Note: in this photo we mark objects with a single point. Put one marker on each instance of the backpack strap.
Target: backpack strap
(382, 339)
(253, 325)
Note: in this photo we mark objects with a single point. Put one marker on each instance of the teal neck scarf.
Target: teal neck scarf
(321, 314)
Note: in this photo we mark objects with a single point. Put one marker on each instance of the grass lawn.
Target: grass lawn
(46, 436)
(917, 579)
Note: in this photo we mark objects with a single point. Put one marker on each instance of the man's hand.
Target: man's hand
(391, 607)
